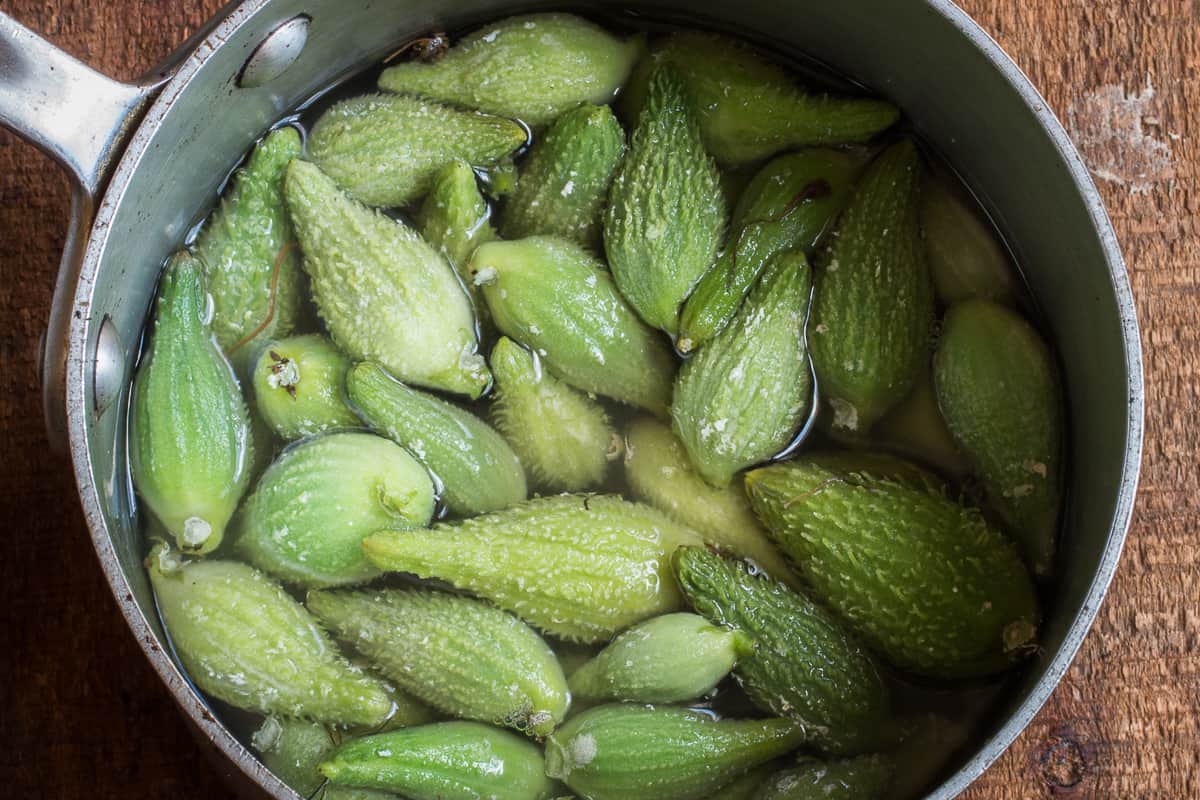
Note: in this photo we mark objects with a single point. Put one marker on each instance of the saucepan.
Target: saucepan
(147, 158)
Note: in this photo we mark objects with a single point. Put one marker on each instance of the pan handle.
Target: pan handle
(83, 120)
(68, 110)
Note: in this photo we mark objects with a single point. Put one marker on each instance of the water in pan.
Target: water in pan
(964, 711)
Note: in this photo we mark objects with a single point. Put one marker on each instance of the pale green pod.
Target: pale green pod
(245, 641)
(477, 469)
(751, 108)
(300, 387)
(666, 659)
(924, 581)
(462, 656)
(580, 567)
(293, 749)
(444, 761)
(385, 294)
(455, 219)
(741, 399)
(872, 312)
(666, 213)
(965, 258)
(620, 751)
(564, 183)
(998, 388)
(552, 296)
(246, 246)
(862, 778)
(306, 519)
(563, 438)
(533, 67)
(916, 429)
(658, 472)
(189, 446)
(387, 149)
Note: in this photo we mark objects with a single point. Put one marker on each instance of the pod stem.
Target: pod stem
(283, 252)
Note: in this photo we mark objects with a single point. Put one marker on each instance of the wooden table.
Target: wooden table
(82, 715)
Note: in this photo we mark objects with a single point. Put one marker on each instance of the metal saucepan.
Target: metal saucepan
(147, 159)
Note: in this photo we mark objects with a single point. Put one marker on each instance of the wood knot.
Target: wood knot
(1063, 761)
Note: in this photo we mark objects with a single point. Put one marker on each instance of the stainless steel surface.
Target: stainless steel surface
(278, 51)
(108, 367)
(964, 95)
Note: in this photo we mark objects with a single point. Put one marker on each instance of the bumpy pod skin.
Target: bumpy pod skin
(385, 294)
(966, 259)
(616, 752)
(461, 656)
(658, 472)
(300, 387)
(862, 778)
(455, 219)
(189, 446)
(552, 296)
(877, 465)
(306, 519)
(293, 748)
(741, 399)
(927, 583)
(999, 391)
(788, 204)
(563, 438)
(477, 469)
(387, 149)
(872, 310)
(667, 659)
(246, 247)
(245, 641)
(564, 183)
(666, 213)
(579, 567)
(533, 67)
(443, 761)
(803, 665)
(750, 108)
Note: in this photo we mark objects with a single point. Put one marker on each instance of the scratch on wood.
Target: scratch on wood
(1120, 137)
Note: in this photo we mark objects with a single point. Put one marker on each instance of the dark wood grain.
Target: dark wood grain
(83, 716)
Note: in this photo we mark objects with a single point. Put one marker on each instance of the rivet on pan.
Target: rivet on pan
(108, 367)
(274, 54)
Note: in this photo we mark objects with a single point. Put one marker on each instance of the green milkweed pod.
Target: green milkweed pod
(443, 761)
(742, 398)
(385, 294)
(533, 67)
(552, 296)
(666, 659)
(189, 446)
(666, 214)
(749, 107)
(478, 471)
(620, 751)
(246, 246)
(245, 641)
(300, 387)
(563, 438)
(580, 567)
(564, 182)
(387, 149)
(462, 656)
(307, 517)
(872, 313)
